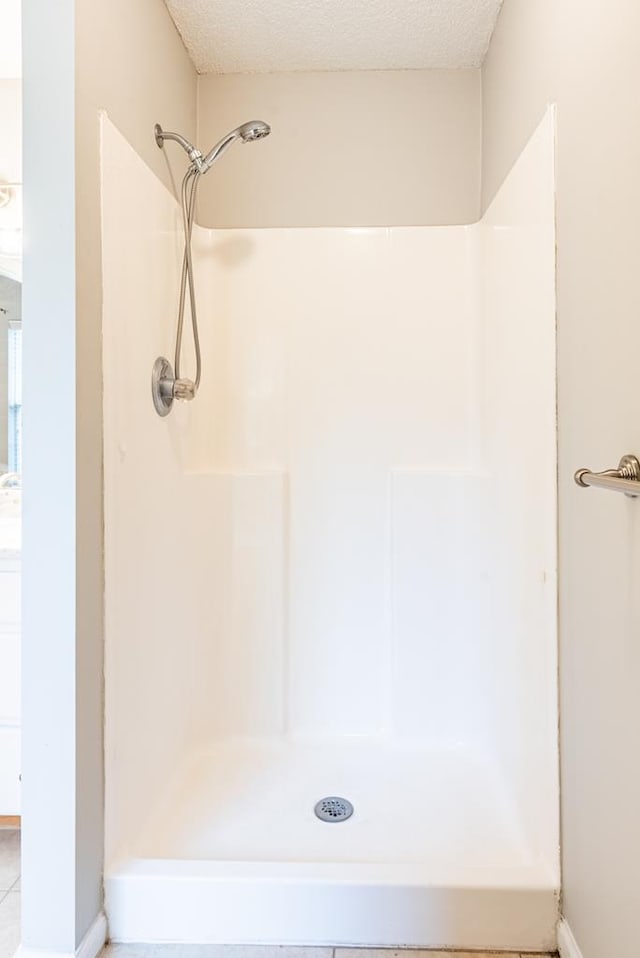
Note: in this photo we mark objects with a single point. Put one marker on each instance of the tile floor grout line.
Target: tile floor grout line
(7, 891)
(159, 951)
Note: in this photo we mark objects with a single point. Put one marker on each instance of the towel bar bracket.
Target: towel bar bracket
(625, 479)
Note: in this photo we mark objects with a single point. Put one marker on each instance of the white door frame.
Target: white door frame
(62, 846)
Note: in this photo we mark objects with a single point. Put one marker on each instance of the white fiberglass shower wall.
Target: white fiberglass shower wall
(334, 573)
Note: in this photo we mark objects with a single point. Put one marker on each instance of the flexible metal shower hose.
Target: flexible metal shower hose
(189, 193)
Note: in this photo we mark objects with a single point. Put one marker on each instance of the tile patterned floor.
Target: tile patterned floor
(10, 930)
(250, 951)
(9, 891)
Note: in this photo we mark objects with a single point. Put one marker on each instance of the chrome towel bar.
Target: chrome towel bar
(626, 478)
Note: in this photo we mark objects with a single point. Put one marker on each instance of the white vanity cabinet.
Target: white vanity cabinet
(9, 682)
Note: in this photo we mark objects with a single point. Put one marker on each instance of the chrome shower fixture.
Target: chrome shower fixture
(247, 133)
(160, 135)
(166, 382)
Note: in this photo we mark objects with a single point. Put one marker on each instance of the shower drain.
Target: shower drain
(333, 809)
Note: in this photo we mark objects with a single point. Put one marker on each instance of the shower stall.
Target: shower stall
(333, 576)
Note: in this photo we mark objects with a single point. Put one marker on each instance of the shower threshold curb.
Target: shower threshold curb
(202, 902)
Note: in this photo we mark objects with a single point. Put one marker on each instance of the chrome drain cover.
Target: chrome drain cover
(333, 809)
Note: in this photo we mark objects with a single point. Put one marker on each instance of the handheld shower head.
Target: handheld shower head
(254, 130)
(247, 133)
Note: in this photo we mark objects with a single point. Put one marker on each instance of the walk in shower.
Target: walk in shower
(333, 577)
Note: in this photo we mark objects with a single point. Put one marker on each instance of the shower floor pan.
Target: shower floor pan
(431, 857)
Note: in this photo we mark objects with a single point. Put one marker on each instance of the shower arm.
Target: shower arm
(192, 152)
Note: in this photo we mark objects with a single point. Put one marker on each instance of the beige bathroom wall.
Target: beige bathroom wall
(585, 57)
(130, 62)
(385, 148)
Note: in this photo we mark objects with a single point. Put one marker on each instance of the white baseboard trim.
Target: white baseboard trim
(567, 945)
(95, 939)
(90, 946)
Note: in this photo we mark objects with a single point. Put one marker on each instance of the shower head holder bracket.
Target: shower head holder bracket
(162, 384)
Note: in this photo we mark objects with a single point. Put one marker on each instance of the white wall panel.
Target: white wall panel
(518, 403)
(161, 581)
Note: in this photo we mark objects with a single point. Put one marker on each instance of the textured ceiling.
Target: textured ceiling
(264, 36)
